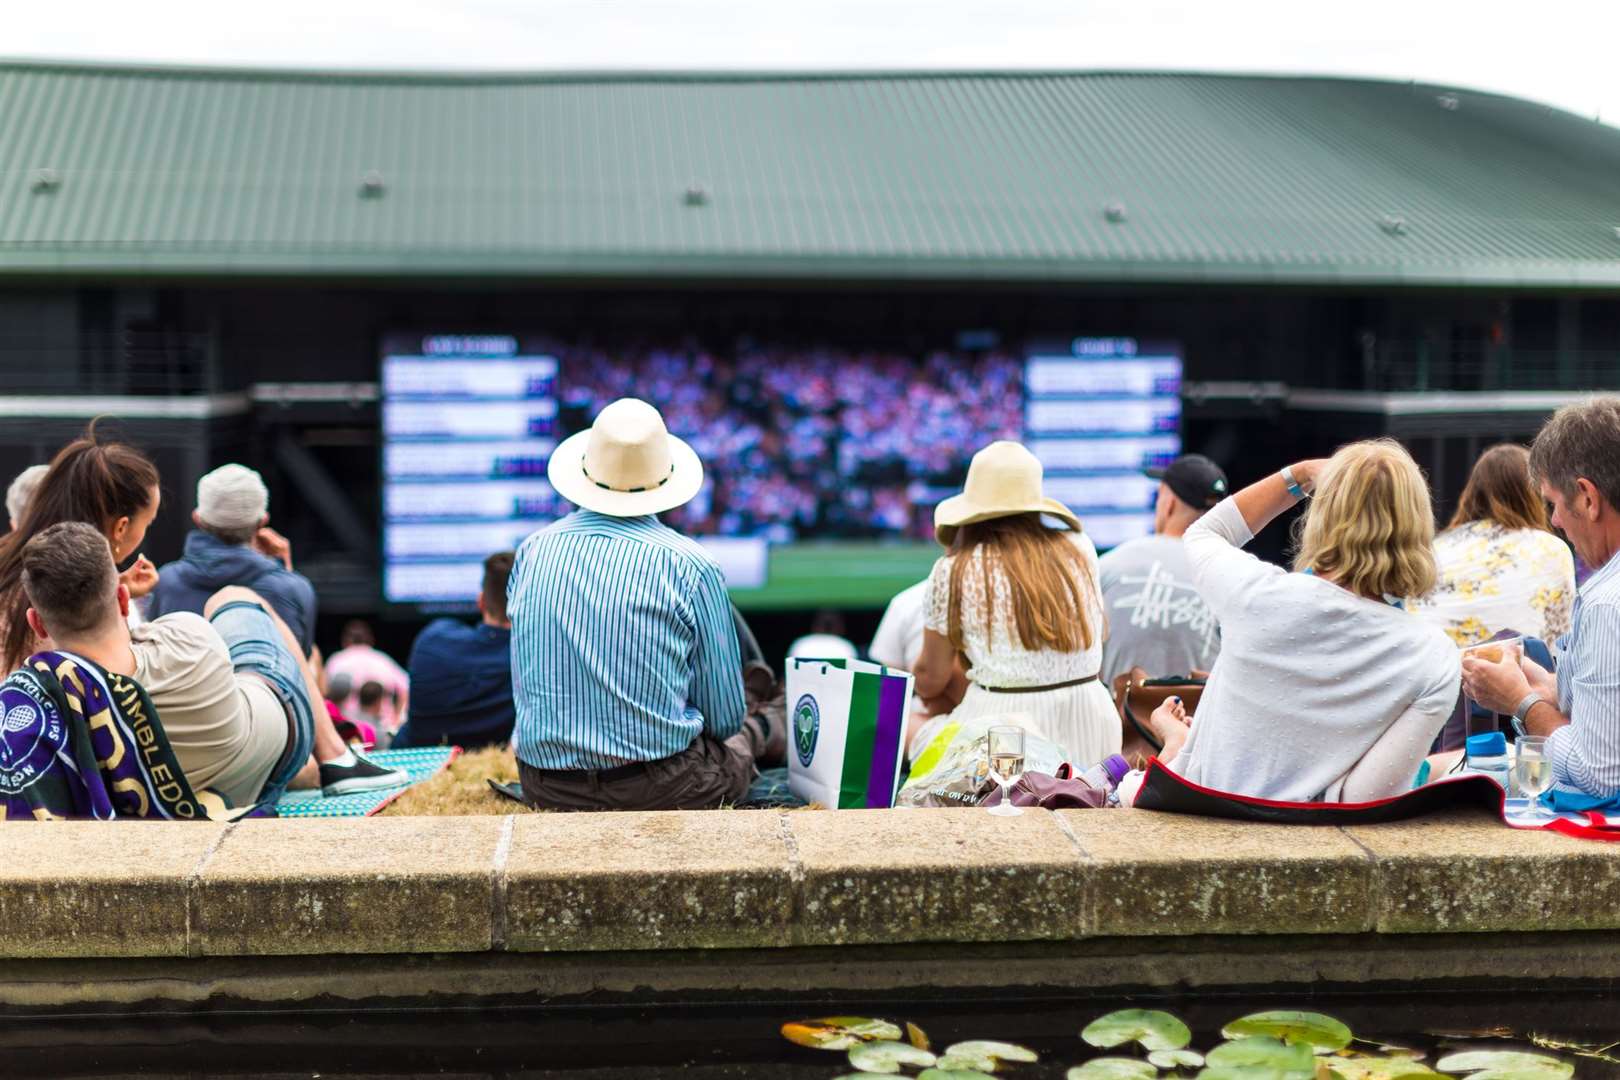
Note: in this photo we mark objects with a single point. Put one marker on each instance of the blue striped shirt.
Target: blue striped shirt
(1585, 754)
(623, 648)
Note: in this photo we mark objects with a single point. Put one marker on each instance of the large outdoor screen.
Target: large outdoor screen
(823, 463)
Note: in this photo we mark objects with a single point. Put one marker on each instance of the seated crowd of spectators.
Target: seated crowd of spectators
(608, 656)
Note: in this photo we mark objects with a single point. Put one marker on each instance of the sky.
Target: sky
(1559, 52)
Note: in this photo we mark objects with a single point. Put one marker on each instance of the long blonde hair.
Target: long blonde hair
(1370, 527)
(1049, 581)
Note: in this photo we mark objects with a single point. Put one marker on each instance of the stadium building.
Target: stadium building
(391, 293)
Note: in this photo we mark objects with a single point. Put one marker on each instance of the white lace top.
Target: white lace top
(999, 659)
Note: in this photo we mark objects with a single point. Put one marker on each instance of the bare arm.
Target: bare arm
(1263, 500)
(935, 665)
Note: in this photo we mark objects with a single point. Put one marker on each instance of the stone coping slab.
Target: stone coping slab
(592, 883)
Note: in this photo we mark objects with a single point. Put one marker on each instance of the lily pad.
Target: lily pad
(917, 1037)
(1263, 1053)
(953, 1074)
(1296, 1028)
(983, 1055)
(1154, 1029)
(1377, 1068)
(1505, 1064)
(838, 1032)
(863, 1076)
(1176, 1059)
(887, 1057)
(1112, 1068)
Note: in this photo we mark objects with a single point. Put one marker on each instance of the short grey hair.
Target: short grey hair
(21, 492)
(1581, 441)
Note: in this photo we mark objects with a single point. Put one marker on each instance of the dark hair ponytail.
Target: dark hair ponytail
(92, 479)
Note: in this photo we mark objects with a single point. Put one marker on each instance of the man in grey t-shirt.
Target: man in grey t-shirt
(1156, 619)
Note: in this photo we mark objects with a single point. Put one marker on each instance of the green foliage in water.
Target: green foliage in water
(1113, 1068)
(1153, 1029)
(1320, 1033)
(887, 1057)
(1506, 1065)
(1176, 1059)
(838, 1032)
(1262, 1054)
(1277, 1045)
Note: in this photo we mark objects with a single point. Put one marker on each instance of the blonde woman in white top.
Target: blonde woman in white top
(1018, 599)
(1501, 568)
(1325, 689)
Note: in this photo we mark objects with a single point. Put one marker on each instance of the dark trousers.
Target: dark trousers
(706, 775)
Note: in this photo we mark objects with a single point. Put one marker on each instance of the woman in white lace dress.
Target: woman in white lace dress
(1018, 599)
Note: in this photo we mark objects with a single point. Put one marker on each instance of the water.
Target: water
(712, 1042)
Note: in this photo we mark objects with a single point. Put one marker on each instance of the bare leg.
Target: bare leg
(328, 743)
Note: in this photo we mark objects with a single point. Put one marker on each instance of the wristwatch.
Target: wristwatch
(1522, 712)
(1293, 485)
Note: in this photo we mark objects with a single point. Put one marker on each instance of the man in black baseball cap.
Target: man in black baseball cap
(1195, 480)
(1156, 618)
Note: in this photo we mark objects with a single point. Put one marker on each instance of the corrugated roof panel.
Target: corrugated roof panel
(974, 175)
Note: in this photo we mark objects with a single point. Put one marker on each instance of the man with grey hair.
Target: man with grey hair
(234, 545)
(1576, 461)
(21, 492)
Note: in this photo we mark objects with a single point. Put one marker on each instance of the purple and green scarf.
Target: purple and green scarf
(77, 741)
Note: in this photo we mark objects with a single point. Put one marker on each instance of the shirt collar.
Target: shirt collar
(1603, 577)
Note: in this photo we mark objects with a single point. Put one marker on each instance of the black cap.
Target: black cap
(1196, 480)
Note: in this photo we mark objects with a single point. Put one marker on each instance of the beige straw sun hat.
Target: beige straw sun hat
(627, 464)
(1003, 479)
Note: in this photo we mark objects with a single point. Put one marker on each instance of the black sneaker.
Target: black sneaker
(363, 775)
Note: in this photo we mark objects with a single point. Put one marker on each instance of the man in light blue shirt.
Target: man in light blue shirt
(1576, 460)
(626, 671)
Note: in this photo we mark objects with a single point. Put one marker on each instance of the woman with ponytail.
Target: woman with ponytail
(109, 485)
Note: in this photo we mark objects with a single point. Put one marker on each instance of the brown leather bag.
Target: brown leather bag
(1136, 696)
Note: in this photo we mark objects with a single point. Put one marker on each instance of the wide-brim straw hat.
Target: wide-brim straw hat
(627, 464)
(1003, 479)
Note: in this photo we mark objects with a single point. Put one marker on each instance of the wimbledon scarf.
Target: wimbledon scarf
(77, 741)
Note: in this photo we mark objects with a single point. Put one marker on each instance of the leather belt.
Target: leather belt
(1037, 689)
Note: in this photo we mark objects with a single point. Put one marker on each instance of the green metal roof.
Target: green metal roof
(919, 176)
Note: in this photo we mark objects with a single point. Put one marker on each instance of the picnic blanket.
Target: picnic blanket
(1163, 789)
(419, 764)
(77, 741)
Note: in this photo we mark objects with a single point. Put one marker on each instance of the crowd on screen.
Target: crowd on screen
(607, 656)
(810, 442)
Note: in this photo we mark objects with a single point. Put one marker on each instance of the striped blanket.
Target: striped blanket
(77, 741)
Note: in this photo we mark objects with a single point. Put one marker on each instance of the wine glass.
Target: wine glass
(1532, 771)
(1006, 748)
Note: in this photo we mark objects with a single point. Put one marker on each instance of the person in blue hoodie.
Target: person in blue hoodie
(233, 545)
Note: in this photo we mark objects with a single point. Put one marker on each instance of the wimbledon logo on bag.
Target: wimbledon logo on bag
(806, 726)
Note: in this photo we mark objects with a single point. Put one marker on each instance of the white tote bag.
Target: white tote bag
(847, 724)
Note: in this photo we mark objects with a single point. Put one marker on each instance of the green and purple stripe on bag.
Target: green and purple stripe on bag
(871, 773)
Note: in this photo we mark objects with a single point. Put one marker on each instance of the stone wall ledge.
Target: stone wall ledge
(588, 883)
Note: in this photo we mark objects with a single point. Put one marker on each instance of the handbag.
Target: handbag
(1063, 791)
(1136, 696)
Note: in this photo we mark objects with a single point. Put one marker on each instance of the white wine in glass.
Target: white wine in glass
(1532, 770)
(1006, 750)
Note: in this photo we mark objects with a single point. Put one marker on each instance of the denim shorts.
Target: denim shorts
(257, 648)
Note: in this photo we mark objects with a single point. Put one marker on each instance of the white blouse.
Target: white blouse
(998, 657)
(1318, 693)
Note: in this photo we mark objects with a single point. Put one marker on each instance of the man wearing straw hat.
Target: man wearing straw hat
(626, 670)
